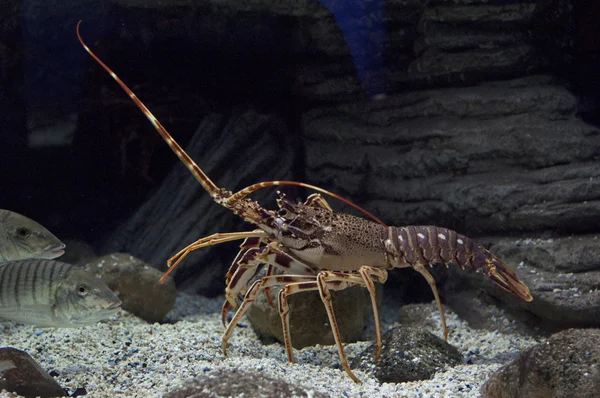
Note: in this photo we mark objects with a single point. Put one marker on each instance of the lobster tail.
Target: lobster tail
(503, 275)
(416, 245)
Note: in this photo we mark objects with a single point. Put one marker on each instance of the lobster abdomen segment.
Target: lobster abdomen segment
(413, 245)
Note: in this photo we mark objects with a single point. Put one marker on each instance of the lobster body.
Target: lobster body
(318, 249)
(343, 242)
(338, 241)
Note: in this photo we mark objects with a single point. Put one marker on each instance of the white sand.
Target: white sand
(130, 358)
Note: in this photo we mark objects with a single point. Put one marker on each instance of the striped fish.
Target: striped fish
(22, 238)
(50, 293)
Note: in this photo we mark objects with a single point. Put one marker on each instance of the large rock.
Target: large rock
(478, 160)
(240, 383)
(20, 374)
(563, 275)
(408, 354)
(567, 365)
(137, 285)
(351, 306)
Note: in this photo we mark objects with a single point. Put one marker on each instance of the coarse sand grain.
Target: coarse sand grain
(127, 357)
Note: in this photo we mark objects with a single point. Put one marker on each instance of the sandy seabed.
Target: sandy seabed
(127, 357)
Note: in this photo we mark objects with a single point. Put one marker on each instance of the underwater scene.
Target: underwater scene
(300, 198)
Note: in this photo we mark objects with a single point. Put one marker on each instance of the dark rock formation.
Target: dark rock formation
(408, 354)
(562, 273)
(235, 383)
(564, 366)
(481, 159)
(20, 374)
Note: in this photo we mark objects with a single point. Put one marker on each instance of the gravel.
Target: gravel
(130, 358)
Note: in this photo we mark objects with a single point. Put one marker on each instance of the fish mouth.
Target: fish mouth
(51, 252)
(114, 306)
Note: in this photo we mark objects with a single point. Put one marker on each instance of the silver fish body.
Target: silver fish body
(50, 293)
(22, 238)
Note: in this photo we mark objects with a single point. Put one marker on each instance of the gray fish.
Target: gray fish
(22, 238)
(53, 294)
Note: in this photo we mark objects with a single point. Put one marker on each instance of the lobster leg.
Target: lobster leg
(245, 267)
(269, 272)
(420, 268)
(248, 243)
(337, 281)
(323, 282)
(380, 274)
(257, 286)
(314, 200)
(213, 239)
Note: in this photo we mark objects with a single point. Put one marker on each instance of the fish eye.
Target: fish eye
(83, 289)
(23, 232)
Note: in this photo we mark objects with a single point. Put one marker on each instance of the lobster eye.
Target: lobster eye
(23, 232)
(83, 289)
(283, 213)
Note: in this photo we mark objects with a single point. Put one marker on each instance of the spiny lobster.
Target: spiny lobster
(319, 249)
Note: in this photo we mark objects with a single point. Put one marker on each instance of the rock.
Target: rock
(434, 67)
(472, 41)
(238, 383)
(566, 365)
(561, 254)
(351, 306)
(481, 311)
(136, 284)
(181, 211)
(408, 354)
(503, 15)
(565, 296)
(481, 160)
(20, 374)
(415, 315)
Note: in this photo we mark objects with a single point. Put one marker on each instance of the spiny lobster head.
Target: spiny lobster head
(300, 225)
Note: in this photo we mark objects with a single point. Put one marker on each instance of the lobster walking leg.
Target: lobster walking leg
(213, 239)
(380, 274)
(245, 268)
(420, 268)
(323, 282)
(247, 244)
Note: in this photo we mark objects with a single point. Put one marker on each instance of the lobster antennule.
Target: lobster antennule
(212, 189)
(242, 193)
(505, 277)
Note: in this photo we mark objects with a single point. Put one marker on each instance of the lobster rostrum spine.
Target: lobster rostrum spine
(321, 250)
